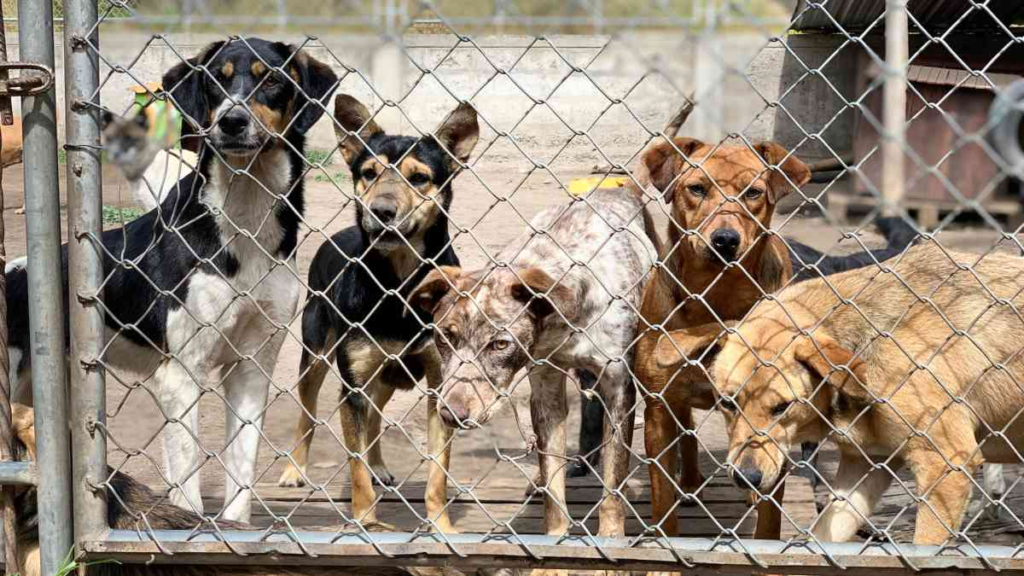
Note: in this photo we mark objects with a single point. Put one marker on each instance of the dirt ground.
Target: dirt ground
(136, 423)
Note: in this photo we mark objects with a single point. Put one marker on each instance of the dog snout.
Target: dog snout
(234, 123)
(726, 242)
(385, 211)
(454, 415)
(748, 477)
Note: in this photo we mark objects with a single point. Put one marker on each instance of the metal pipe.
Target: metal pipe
(85, 265)
(45, 284)
(529, 550)
(894, 114)
(19, 474)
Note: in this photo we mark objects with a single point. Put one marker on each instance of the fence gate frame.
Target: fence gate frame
(72, 493)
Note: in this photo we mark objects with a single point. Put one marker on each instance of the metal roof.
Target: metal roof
(857, 15)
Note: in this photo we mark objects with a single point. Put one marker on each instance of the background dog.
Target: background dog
(212, 281)
(404, 187)
(863, 359)
(496, 321)
(720, 246)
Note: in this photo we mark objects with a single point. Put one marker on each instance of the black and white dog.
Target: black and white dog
(198, 291)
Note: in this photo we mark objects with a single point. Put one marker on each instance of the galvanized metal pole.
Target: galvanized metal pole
(894, 115)
(45, 282)
(85, 265)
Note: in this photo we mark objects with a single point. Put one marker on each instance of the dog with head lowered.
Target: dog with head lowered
(915, 365)
(360, 280)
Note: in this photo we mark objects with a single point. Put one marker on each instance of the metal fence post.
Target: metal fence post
(45, 280)
(895, 108)
(85, 265)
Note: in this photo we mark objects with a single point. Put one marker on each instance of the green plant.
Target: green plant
(70, 565)
(320, 157)
(114, 215)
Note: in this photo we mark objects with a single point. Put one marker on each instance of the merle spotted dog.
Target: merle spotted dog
(356, 314)
(213, 278)
(546, 313)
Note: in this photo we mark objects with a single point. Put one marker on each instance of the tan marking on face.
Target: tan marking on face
(294, 73)
(228, 69)
(258, 68)
(412, 166)
(272, 120)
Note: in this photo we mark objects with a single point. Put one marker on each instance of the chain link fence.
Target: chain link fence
(727, 286)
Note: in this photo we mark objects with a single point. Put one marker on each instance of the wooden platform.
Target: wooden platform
(496, 503)
(927, 212)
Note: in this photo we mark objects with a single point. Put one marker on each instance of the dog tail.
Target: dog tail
(898, 236)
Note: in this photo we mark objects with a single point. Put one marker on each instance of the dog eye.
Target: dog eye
(728, 404)
(753, 194)
(780, 408)
(271, 81)
(697, 190)
(419, 179)
(499, 345)
(369, 174)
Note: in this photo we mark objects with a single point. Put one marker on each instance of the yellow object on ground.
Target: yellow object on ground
(582, 186)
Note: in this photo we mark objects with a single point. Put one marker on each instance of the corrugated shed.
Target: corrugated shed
(934, 15)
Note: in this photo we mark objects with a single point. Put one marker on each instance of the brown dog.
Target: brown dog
(919, 367)
(718, 247)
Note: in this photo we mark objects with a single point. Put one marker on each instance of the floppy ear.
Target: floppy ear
(795, 170)
(663, 164)
(317, 82)
(434, 287)
(185, 85)
(23, 422)
(459, 134)
(697, 342)
(538, 290)
(830, 361)
(355, 120)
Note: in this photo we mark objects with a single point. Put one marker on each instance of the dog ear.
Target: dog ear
(697, 342)
(459, 134)
(663, 164)
(317, 82)
(355, 126)
(184, 82)
(780, 162)
(543, 295)
(23, 423)
(434, 287)
(832, 362)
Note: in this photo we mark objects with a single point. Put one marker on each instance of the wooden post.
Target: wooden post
(894, 115)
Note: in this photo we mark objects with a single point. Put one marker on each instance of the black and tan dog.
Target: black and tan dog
(359, 281)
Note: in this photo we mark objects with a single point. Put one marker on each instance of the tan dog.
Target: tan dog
(876, 362)
(722, 201)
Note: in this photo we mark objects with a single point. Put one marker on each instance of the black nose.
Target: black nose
(384, 211)
(453, 416)
(725, 241)
(234, 123)
(749, 478)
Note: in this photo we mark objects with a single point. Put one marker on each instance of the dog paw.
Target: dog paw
(381, 476)
(291, 478)
(577, 469)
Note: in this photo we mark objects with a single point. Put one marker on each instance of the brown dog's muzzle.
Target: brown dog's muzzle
(726, 242)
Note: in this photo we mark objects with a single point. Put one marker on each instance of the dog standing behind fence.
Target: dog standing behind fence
(213, 279)
(919, 366)
(546, 312)
(404, 185)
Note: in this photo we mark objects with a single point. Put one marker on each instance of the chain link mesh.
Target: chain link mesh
(755, 370)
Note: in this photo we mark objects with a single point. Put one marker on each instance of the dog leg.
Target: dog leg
(313, 371)
(857, 489)
(691, 479)
(619, 395)
(548, 411)
(246, 386)
(439, 445)
(179, 400)
(946, 491)
(354, 412)
(769, 513)
(380, 395)
(995, 488)
(660, 432)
